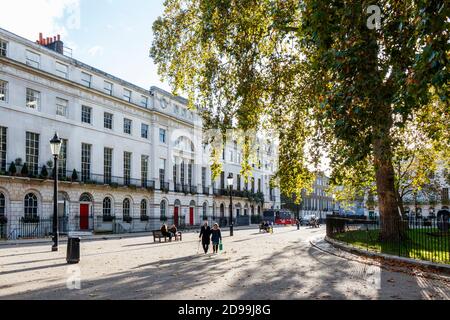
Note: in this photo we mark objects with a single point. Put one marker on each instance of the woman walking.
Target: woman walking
(216, 237)
(205, 235)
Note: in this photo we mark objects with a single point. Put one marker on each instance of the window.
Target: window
(127, 167)
(107, 207)
(127, 126)
(127, 95)
(205, 211)
(107, 164)
(2, 204)
(259, 185)
(3, 48)
(62, 159)
(162, 210)
(3, 91)
(253, 185)
(30, 206)
(33, 99)
(85, 162)
(144, 170)
(86, 79)
(238, 181)
(144, 131)
(162, 135)
(222, 180)
(33, 59)
(32, 152)
(3, 131)
(143, 208)
(86, 114)
(62, 70)
(175, 180)
(144, 101)
(126, 208)
(445, 197)
(108, 87)
(61, 107)
(190, 174)
(108, 120)
(162, 166)
(203, 176)
(182, 172)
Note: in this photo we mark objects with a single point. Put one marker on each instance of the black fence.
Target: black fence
(424, 239)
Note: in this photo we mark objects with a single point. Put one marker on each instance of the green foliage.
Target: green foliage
(25, 172)
(315, 73)
(44, 172)
(74, 175)
(12, 169)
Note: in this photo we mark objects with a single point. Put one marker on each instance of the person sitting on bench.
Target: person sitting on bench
(166, 232)
(173, 230)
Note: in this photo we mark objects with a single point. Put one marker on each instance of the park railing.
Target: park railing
(424, 239)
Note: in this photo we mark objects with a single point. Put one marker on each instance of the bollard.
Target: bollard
(73, 250)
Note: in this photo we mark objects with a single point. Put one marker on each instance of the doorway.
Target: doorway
(84, 216)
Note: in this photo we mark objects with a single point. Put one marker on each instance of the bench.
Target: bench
(157, 234)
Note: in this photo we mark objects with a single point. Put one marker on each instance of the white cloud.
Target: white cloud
(29, 17)
(96, 50)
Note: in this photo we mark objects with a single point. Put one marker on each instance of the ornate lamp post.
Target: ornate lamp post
(55, 145)
(230, 186)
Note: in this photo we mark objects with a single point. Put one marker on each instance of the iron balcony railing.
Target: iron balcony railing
(87, 178)
(206, 191)
(164, 186)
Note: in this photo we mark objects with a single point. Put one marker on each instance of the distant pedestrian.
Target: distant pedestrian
(205, 236)
(216, 237)
(165, 232)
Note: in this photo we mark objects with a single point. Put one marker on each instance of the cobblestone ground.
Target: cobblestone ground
(253, 265)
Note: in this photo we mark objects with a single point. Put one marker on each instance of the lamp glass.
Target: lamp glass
(230, 180)
(55, 145)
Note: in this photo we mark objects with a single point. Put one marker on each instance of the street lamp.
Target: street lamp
(230, 186)
(55, 145)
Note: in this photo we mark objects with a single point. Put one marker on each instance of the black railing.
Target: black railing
(193, 189)
(425, 239)
(164, 186)
(90, 178)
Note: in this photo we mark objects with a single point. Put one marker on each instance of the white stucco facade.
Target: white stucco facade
(43, 92)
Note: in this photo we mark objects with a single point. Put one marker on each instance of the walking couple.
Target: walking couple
(208, 235)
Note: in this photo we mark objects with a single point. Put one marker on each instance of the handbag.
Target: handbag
(220, 245)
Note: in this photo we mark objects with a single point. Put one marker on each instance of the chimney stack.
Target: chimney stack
(53, 43)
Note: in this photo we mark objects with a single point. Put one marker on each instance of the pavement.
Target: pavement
(288, 264)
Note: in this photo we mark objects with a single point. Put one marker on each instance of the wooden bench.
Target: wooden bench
(157, 234)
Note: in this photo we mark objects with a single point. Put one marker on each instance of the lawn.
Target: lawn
(418, 245)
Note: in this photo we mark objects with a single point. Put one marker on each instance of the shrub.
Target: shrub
(25, 172)
(18, 162)
(74, 175)
(44, 172)
(12, 169)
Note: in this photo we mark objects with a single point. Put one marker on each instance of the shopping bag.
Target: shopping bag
(220, 245)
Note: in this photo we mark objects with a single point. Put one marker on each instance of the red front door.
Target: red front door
(175, 216)
(84, 217)
(191, 216)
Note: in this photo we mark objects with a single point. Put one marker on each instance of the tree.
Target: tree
(74, 175)
(316, 72)
(44, 172)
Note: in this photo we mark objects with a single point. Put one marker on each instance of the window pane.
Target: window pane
(85, 162)
(107, 164)
(144, 131)
(3, 48)
(108, 87)
(3, 91)
(3, 131)
(127, 126)
(86, 113)
(108, 120)
(127, 167)
(33, 99)
(33, 59)
(32, 152)
(62, 70)
(61, 107)
(86, 79)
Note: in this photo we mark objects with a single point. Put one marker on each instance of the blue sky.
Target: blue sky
(112, 35)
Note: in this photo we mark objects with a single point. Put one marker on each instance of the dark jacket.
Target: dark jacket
(216, 236)
(205, 234)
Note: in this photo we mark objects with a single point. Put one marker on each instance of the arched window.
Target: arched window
(126, 208)
(85, 197)
(162, 210)
(30, 206)
(222, 210)
(107, 207)
(2, 204)
(143, 208)
(205, 211)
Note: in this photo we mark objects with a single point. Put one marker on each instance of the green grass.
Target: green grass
(418, 245)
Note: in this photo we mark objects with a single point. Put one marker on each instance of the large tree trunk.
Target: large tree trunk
(387, 196)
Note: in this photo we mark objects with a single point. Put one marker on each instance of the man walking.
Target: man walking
(205, 236)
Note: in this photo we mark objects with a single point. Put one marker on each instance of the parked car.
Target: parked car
(306, 219)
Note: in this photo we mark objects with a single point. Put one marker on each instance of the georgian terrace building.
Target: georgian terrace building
(130, 159)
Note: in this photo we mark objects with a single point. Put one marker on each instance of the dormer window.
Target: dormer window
(33, 59)
(108, 87)
(3, 48)
(62, 70)
(86, 79)
(127, 95)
